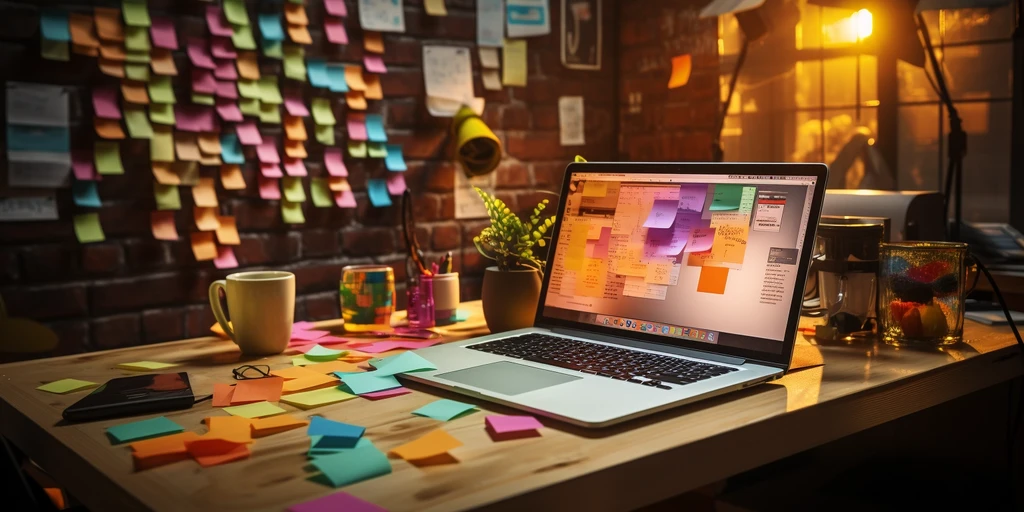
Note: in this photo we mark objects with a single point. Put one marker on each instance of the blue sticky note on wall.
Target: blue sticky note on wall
(54, 25)
(317, 71)
(394, 161)
(375, 128)
(85, 194)
(270, 27)
(377, 189)
(336, 78)
(49, 139)
(231, 149)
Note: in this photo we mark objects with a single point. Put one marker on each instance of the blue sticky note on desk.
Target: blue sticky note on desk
(334, 434)
(85, 194)
(403, 363)
(377, 189)
(54, 25)
(444, 409)
(319, 451)
(375, 129)
(368, 382)
(336, 78)
(145, 429)
(355, 465)
(394, 161)
(231, 149)
(316, 69)
(47, 139)
(270, 27)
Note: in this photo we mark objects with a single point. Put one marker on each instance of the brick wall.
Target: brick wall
(657, 123)
(132, 289)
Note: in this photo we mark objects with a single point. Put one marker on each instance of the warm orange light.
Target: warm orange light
(862, 23)
(856, 27)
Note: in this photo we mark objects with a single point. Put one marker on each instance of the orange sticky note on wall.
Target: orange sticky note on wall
(85, 50)
(186, 147)
(112, 51)
(712, 279)
(373, 89)
(108, 128)
(248, 65)
(134, 92)
(295, 14)
(354, 77)
(164, 174)
(164, 227)
(231, 177)
(203, 246)
(209, 143)
(206, 219)
(204, 193)
(355, 100)
(295, 149)
(294, 128)
(227, 233)
(338, 184)
(433, 444)
(299, 34)
(373, 42)
(682, 65)
(108, 24)
(111, 67)
(162, 62)
(82, 33)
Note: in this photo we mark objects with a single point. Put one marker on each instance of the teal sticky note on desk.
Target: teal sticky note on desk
(445, 410)
(368, 382)
(336, 78)
(375, 129)
(315, 450)
(727, 197)
(270, 27)
(145, 429)
(377, 189)
(353, 465)
(317, 71)
(47, 139)
(85, 194)
(394, 161)
(53, 25)
(231, 149)
(403, 363)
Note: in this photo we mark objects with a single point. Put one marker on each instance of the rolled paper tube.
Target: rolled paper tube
(477, 148)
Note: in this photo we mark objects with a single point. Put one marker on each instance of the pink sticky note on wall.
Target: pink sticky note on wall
(218, 24)
(248, 134)
(203, 81)
(271, 170)
(83, 166)
(199, 55)
(104, 103)
(225, 257)
(294, 105)
(267, 152)
(228, 110)
(295, 167)
(226, 89)
(225, 69)
(269, 188)
(334, 163)
(195, 118)
(335, 30)
(161, 29)
(396, 183)
(336, 8)
(374, 64)
(357, 127)
(507, 424)
(221, 48)
(345, 199)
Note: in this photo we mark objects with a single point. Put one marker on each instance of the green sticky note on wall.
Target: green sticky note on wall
(54, 50)
(322, 112)
(249, 106)
(292, 189)
(167, 196)
(357, 149)
(292, 212)
(136, 38)
(203, 99)
(242, 38)
(376, 149)
(137, 56)
(161, 113)
(321, 193)
(325, 135)
(161, 90)
(272, 49)
(294, 62)
(270, 113)
(269, 91)
(161, 145)
(249, 88)
(137, 72)
(234, 11)
(88, 228)
(137, 122)
(108, 157)
(136, 13)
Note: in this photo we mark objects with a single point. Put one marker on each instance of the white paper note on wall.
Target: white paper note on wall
(490, 22)
(448, 76)
(527, 18)
(28, 208)
(37, 104)
(38, 169)
(468, 204)
(382, 15)
(570, 121)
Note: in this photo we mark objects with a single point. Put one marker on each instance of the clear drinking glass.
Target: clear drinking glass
(922, 293)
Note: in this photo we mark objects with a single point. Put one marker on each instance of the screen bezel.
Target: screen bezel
(782, 360)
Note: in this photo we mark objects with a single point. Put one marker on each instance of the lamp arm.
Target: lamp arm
(716, 144)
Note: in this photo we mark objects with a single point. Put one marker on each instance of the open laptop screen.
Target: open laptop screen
(707, 258)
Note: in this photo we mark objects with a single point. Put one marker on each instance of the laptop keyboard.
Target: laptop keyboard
(645, 368)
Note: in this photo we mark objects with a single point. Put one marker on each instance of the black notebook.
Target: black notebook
(139, 394)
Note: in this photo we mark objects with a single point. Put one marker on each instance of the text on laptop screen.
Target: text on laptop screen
(708, 258)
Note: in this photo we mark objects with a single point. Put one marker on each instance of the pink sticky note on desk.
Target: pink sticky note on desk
(387, 393)
(199, 55)
(218, 24)
(356, 127)
(302, 326)
(271, 170)
(335, 30)
(203, 81)
(225, 69)
(195, 118)
(384, 346)
(249, 134)
(294, 105)
(374, 64)
(269, 188)
(226, 89)
(225, 257)
(345, 199)
(334, 162)
(104, 103)
(294, 167)
(663, 214)
(339, 501)
(83, 166)
(161, 29)
(221, 48)
(396, 183)
(508, 424)
(267, 152)
(336, 8)
(228, 110)
(303, 335)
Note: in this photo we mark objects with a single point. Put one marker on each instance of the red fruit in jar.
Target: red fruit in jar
(929, 272)
(898, 308)
(911, 324)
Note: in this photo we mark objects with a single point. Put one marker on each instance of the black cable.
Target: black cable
(203, 399)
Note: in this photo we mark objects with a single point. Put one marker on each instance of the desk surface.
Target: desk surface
(622, 467)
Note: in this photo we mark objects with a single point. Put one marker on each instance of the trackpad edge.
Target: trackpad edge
(507, 378)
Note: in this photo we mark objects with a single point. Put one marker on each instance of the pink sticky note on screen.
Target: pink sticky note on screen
(225, 257)
(700, 240)
(221, 48)
(387, 393)
(217, 22)
(161, 29)
(248, 134)
(334, 163)
(356, 127)
(226, 89)
(294, 167)
(294, 105)
(83, 166)
(336, 8)
(345, 199)
(271, 170)
(104, 103)
(269, 188)
(507, 424)
(228, 110)
(203, 81)
(339, 501)
(663, 213)
(374, 64)
(692, 196)
(335, 30)
(396, 183)
(198, 54)
(195, 118)
(267, 152)
(225, 70)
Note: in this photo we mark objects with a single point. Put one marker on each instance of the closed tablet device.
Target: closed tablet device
(138, 394)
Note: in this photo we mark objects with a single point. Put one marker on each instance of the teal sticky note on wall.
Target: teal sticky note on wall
(336, 78)
(231, 149)
(394, 161)
(317, 71)
(53, 25)
(86, 194)
(377, 189)
(270, 27)
(375, 128)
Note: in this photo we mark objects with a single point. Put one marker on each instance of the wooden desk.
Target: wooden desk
(620, 468)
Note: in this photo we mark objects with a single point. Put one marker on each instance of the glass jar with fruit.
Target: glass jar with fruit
(922, 293)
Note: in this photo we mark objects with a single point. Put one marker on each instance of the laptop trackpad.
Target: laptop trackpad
(508, 378)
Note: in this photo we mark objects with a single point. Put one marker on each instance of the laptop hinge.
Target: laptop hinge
(686, 352)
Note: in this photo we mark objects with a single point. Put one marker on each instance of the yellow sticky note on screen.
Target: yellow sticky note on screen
(145, 366)
(682, 65)
(593, 188)
(66, 386)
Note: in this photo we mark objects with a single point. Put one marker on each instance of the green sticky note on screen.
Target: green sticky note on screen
(353, 465)
(317, 397)
(727, 197)
(145, 429)
(291, 212)
(107, 155)
(66, 386)
(293, 191)
(255, 410)
(321, 193)
(325, 134)
(167, 196)
(445, 410)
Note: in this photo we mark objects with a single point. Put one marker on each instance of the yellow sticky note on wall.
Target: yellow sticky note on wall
(514, 56)
(88, 228)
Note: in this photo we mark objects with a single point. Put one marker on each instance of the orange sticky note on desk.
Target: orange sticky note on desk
(267, 389)
(262, 427)
(435, 444)
(333, 366)
(232, 428)
(295, 372)
(712, 279)
(203, 246)
(317, 380)
(211, 451)
(682, 65)
(159, 451)
(222, 394)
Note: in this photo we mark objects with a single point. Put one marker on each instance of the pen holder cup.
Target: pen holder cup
(446, 295)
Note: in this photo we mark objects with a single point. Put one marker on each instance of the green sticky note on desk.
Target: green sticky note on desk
(136, 13)
(293, 191)
(317, 397)
(107, 156)
(144, 429)
(291, 212)
(368, 382)
(445, 410)
(145, 366)
(88, 228)
(66, 386)
(254, 410)
(353, 465)
(727, 197)
(321, 193)
(403, 363)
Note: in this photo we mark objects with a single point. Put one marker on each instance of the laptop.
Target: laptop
(667, 283)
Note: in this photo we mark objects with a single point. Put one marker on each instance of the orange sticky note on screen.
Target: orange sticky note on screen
(373, 89)
(164, 227)
(257, 390)
(227, 233)
(204, 193)
(712, 279)
(294, 128)
(434, 444)
(262, 427)
(373, 42)
(108, 128)
(203, 246)
(355, 100)
(682, 65)
(248, 65)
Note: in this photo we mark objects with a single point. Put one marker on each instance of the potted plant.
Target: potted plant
(512, 286)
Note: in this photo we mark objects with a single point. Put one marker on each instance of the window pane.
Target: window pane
(840, 83)
(808, 84)
(967, 25)
(979, 71)
(987, 164)
(854, 131)
(839, 27)
(919, 148)
(808, 30)
(913, 84)
(803, 140)
(868, 80)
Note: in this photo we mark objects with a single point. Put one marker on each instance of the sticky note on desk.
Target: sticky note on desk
(144, 429)
(334, 434)
(317, 398)
(231, 428)
(499, 424)
(145, 366)
(262, 427)
(267, 389)
(337, 501)
(320, 354)
(369, 382)
(355, 465)
(151, 453)
(445, 410)
(434, 444)
(66, 386)
(254, 410)
(403, 363)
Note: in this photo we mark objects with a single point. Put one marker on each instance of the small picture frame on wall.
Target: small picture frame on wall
(581, 34)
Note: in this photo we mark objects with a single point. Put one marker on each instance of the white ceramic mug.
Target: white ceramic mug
(262, 308)
(446, 295)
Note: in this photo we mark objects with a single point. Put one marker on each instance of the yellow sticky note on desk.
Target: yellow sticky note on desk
(145, 366)
(431, 445)
(66, 386)
(255, 410)
(317, 398)
(514, 53)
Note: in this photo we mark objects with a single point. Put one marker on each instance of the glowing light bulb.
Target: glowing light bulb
(862, 23)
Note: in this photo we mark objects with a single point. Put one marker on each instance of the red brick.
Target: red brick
(116, 331)
(46, 302)
(369, 242)
(43, 263)
(319, 243)
(545, 117)
(163, 325)
(515, 118)
(440, 176)
(402, 84)
(8, 266)
(470, 229)
(316, 277)
(535, 145)
(513, 174)
(140, 292)
(427, 207)
(549, 175)
(323, 306)
(256, 214)
(269, 248)
(423, 144)
(445, 237)
(198, 320)
(150, 254)
(102, 258)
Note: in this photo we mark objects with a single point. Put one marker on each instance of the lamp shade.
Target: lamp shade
(934, 5)
(476, 146)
